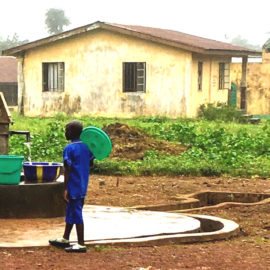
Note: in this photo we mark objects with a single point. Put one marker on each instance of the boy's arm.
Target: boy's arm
(66, 178)
(91, 164)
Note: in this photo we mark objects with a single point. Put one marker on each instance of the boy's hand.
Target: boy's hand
(66, 196)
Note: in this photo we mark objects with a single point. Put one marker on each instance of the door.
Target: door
(233, 95)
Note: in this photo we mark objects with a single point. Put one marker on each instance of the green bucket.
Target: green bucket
(10, 169)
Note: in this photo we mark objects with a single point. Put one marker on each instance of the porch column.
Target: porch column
(21, 84)
(243, 105)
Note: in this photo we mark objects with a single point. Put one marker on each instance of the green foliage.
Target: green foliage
(45, 146)
(221, 111)
(11, 42)
(239, 41)
(215, 147)
(56, 20)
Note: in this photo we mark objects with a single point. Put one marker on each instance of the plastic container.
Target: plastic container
(10, 169)
(41, 172)
(97, 141)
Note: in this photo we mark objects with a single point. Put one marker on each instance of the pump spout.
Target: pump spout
(19, 132)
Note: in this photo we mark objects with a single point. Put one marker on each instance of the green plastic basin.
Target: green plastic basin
(10, 169)
(97, 141)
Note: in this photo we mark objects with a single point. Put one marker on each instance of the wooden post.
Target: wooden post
(21, 84)
(5, 120)
(210, 81)
(243, 104)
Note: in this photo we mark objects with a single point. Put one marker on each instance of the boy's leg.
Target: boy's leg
(80, 247)
(80, 233)
(64, 242)
(67, 232)
(78, 220)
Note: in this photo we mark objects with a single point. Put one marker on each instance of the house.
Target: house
(8, 79)
(109, 69)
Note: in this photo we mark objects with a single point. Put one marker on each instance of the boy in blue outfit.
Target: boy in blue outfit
(77, 161)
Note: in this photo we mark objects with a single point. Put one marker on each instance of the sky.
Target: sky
(214, 19)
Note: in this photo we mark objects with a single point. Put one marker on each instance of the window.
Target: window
(224, 76)
(134, 77)
(53, 77)
(200, 74)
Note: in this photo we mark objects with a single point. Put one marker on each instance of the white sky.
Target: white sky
(214, 19)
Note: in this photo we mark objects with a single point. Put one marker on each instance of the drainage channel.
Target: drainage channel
(206, 199)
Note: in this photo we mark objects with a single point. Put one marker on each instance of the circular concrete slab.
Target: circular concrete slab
(101, 224)
(118, 223)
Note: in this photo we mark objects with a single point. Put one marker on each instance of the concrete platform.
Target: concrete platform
(117, 226)
(42, 200)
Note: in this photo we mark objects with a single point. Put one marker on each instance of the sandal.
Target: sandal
(76, 248)
(60, 242)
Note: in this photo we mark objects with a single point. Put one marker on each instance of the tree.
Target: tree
(11, 42)
(56, 20)
(239, 41)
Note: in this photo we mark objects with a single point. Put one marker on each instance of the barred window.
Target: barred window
(134, 75)
(224, 76)
(53, 76)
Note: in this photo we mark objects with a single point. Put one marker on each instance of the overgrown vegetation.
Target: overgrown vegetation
(221, 111)
(215, 147)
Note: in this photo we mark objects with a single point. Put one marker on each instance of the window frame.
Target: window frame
(131, 77)
(53, 76)
(224, 76)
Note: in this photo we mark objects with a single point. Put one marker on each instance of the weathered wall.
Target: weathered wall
(258, 85)
(93, 77)
(210, 92)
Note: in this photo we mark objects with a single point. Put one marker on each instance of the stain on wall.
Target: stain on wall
(134, 104)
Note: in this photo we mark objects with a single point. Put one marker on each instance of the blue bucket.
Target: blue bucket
(41, 172)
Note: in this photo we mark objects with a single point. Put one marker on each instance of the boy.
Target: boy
(77, 160)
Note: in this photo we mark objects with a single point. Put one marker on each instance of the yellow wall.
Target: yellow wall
(93, 77)
(210, 92)
(258, 85)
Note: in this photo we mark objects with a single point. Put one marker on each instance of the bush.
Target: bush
(220, 111)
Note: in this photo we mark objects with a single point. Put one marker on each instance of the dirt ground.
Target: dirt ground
(132, 143)
(250, 250)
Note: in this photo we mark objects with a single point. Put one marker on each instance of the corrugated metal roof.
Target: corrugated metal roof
(8, 69)
(163, 36)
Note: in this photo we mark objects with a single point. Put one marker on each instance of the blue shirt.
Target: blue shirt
(77, 156)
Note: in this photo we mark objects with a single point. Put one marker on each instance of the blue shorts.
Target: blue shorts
(74, 211)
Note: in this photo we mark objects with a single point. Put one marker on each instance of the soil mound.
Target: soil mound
(131, 143)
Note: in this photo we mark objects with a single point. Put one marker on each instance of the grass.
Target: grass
(216, 147)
